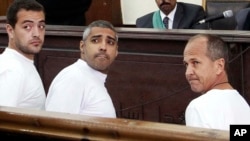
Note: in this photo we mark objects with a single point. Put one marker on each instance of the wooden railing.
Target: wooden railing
(3, 19)
(27, 124)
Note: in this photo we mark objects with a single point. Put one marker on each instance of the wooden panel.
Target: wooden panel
(2, 19)
(4, 4)
(146, 81)
(109, 10)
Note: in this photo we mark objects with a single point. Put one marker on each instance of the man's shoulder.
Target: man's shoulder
(189, 5)
(145, 21)
(147, 16)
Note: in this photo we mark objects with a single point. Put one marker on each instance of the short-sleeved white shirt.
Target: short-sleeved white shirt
(79, 89)
(218, 109)
(20, 83)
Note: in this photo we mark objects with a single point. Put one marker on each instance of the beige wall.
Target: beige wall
(132, 9)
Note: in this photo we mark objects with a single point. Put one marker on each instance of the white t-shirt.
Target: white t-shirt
(79, 89)
(218, 109)
(20, 83)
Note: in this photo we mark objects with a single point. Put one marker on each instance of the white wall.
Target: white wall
(132, 9)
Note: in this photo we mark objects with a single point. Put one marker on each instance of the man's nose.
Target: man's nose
(103, 45)
(189, 70)
(36, 31)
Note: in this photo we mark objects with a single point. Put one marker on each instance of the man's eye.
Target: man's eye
(185, 64)
(94, 40)
(27, 27)
(42, 26)
(111, 42)
(195, 63)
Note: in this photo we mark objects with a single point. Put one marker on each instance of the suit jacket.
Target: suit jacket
(243, 19)
(186, 17)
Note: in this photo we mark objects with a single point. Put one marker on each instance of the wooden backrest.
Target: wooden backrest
(2, 19)
(27, 124)
(4, 4)
(109, 10)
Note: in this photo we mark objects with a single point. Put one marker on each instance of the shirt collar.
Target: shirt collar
(101, 76)
(170, 15)
(17, 54)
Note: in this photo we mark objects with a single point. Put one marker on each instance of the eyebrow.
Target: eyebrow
(191, 59)
(29, 21)
(112, 38)
(98, 36)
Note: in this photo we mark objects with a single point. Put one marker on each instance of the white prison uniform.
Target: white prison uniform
(218, 109)
(20, 83)
(79, 89)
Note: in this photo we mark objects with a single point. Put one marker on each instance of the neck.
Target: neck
(225, 82)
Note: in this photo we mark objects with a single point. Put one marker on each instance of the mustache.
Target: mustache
(36, 40)
(102, 54)
(164, 3)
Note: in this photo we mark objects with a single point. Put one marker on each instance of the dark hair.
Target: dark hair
(98, 23)
(18, 5)
(216, 48)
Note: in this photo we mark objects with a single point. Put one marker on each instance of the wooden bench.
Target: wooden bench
(27, 124)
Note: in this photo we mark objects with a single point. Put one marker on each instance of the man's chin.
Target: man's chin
(195, 90)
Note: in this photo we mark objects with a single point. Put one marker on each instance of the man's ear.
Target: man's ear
(117, 52)
(220, 65)
(82, 46)
(9, 30)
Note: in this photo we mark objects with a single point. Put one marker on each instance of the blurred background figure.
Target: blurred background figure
(63, 12)
(243, 19)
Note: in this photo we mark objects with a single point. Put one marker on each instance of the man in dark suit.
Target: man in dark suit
(180, 16)
(243, 19)
(64, 12)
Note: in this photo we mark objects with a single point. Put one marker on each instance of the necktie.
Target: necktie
(165, 22)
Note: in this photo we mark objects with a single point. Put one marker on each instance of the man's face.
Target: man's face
(166, 6)
(100, 49)
(201, 71)
(27, 36)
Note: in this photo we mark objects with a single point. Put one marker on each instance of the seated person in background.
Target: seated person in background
(20, 83)
(220, 105)
(180, 16)
(64, 12)
(80, 87)
(242, 19)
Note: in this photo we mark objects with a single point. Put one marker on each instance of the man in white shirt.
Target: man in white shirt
(220, 105)
(80, 87)
(20, 83)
